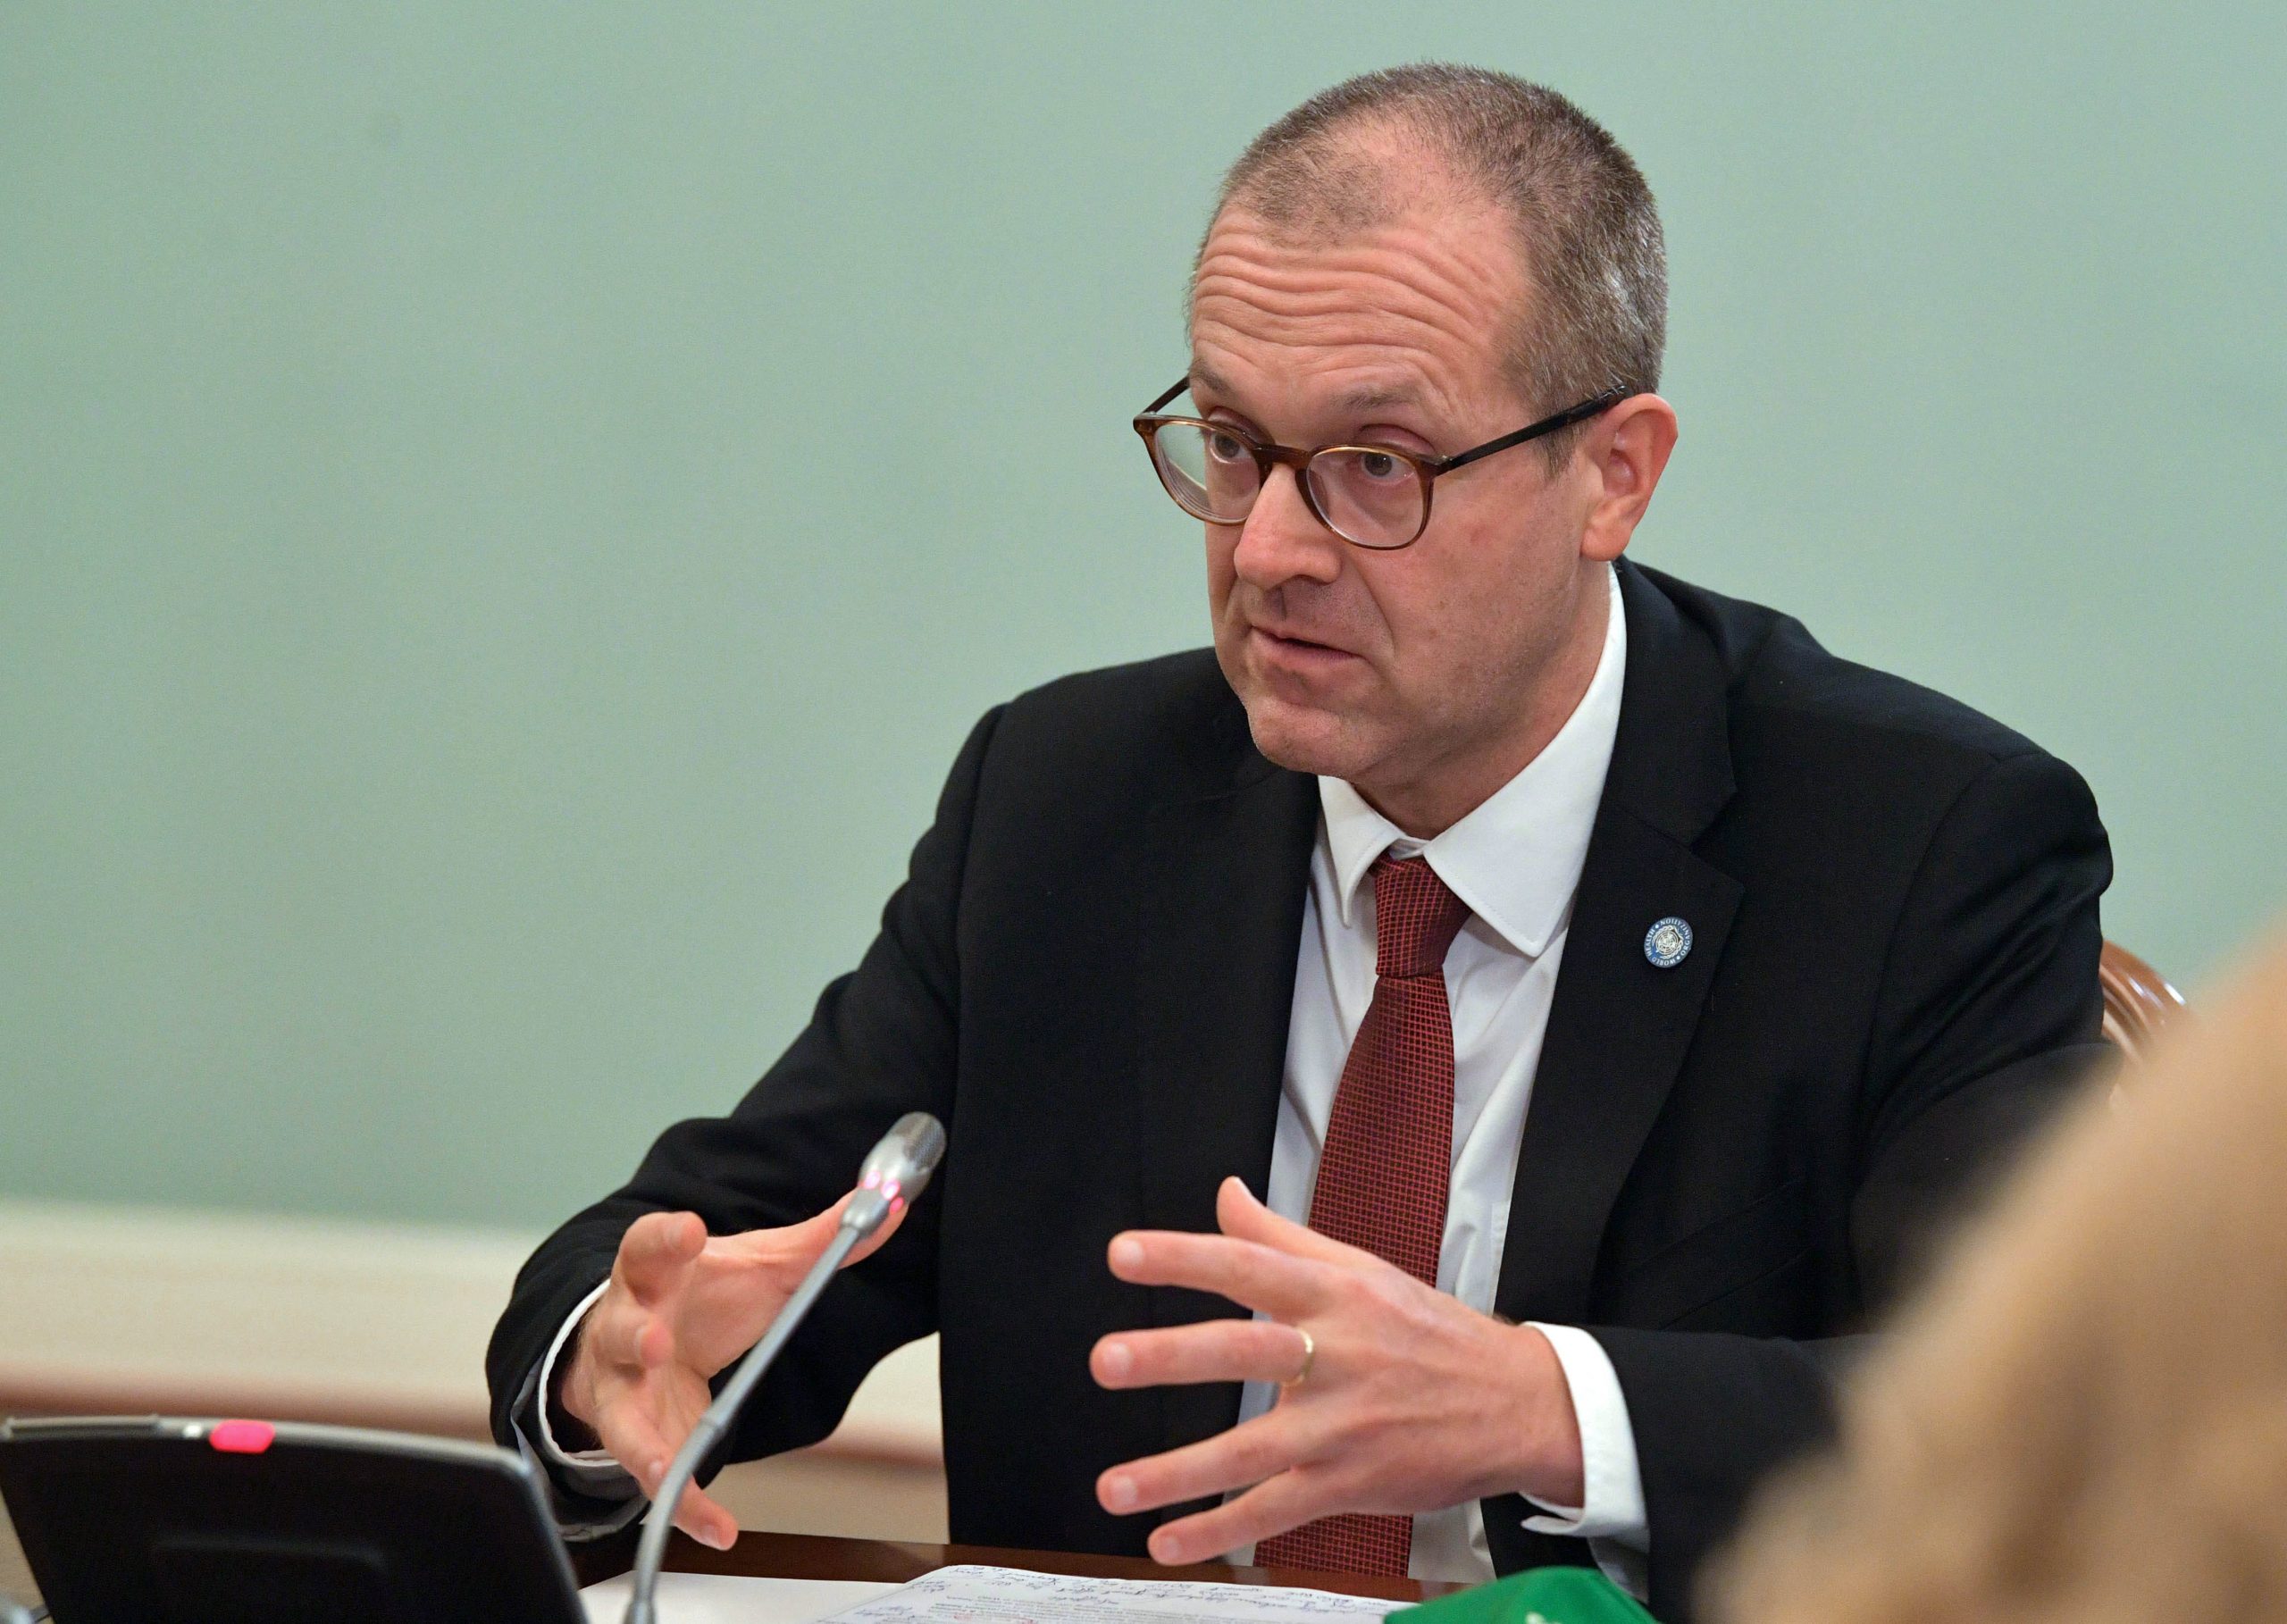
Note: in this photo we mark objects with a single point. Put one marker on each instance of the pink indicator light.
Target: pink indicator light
(869, 1181)
(242, 1437)
(889, 1188)
(897, 1205)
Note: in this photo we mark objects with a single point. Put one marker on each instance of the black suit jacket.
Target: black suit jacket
(1087, 975)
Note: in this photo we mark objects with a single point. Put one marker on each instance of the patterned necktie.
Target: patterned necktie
(1388, 1156)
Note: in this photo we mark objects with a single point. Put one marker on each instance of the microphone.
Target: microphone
(895, 1172)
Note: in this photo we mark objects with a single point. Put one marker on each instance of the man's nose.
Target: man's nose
(1282, 540)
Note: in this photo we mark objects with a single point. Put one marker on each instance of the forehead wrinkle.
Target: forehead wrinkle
(1336, 320)
(1355, 294)
(1379, 368)
(1398, 343)
(1441, 259)
(1351, 283)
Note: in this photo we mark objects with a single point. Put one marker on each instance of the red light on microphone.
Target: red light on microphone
(242, 1437)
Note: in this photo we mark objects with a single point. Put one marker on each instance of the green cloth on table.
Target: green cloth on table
(1544, 1596)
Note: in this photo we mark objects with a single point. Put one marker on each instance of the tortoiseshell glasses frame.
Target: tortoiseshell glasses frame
(1375, 496)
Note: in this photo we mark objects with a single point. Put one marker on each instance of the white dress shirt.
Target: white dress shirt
(1515, 861)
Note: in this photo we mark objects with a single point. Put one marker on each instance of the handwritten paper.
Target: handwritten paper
(1014, 1595)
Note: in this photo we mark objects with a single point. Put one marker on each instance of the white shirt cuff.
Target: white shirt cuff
(580, 1461)
(589, 1492)
(1611, 1479)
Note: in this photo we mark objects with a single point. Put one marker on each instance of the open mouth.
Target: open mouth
(1299, 648)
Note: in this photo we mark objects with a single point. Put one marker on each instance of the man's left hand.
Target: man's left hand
(1411, 1401)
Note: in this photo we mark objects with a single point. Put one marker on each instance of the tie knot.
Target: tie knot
(1415, 917)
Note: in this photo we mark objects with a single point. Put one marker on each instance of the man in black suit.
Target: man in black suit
(1723, 967)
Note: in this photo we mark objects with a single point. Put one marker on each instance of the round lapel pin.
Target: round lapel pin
(1667, 943)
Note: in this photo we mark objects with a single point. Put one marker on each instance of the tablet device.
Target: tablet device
(154, 1520)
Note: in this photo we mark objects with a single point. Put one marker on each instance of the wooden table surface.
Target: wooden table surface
(894, 1561)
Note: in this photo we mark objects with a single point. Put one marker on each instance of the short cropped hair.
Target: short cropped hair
(1594, 255)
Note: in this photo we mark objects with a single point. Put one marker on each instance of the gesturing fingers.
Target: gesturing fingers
(788, 1250)
(702, 1517)
(1247, 1272)
(1239, 1215)
(621, 1334)
(1217, 1351)
(1288, 1501)
(1248, 1453)
(642, 1431)
(656, 1253)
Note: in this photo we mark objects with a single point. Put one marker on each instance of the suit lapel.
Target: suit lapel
(1618, 1030)
(1617, 1033)
(1226, 875)
(1618, 1026)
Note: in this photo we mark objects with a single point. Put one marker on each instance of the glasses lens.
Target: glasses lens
(1375, 498)
(1211, 473)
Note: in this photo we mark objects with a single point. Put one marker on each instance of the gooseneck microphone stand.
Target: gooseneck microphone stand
(893, 1176)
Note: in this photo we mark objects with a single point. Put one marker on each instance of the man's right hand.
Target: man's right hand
(682, 1305)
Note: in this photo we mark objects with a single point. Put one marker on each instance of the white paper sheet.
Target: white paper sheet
(718, 1598)
(1014, 1595)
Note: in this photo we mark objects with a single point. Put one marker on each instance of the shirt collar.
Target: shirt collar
(1515, 859)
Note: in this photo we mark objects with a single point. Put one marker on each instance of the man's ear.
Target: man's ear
(1628, 449)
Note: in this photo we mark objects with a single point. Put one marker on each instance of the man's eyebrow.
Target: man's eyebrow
(1205, 377)
(1368, 397)
(1364, 398)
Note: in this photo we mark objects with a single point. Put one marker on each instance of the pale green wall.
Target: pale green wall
(488, 592)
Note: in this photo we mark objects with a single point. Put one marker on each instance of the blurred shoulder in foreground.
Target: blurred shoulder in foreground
(2085, 1416)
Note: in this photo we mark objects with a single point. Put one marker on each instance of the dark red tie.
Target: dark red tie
(1388, 1156)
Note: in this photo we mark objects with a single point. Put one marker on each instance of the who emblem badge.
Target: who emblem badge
(1667, 943)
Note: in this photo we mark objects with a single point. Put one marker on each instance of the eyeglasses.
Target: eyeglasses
(1370, 496)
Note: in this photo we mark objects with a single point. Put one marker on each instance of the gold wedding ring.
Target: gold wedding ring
(1309, 1356)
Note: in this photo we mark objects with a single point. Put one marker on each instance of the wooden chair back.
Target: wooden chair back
(2139, 1003)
